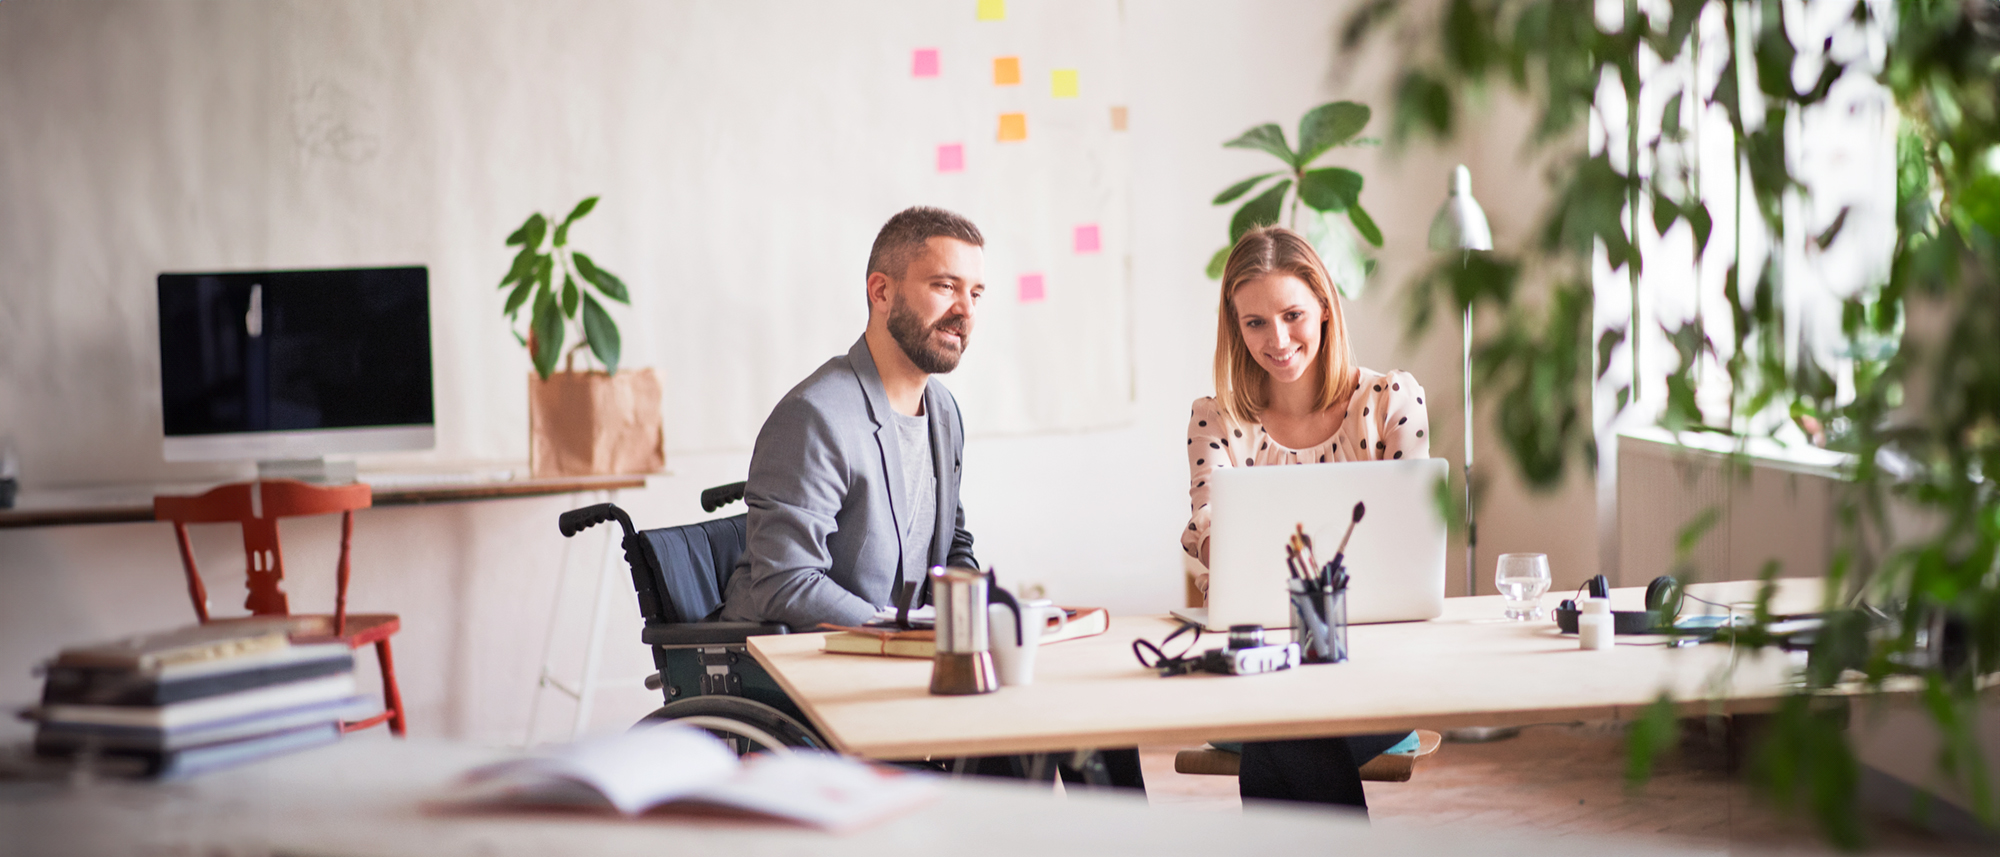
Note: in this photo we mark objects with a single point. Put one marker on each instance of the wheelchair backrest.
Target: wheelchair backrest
(686, 568)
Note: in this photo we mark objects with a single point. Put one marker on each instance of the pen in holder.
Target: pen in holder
(1319, 619)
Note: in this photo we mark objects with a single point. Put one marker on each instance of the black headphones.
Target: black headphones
(1663, 605)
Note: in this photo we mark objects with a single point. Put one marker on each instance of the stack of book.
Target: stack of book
(194, 699)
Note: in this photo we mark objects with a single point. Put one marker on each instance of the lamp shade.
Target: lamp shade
(1460, 224)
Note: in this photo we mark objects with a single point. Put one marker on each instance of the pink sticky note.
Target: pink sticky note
(925, 63)
(951, 158)
(1086, 238)
(1031, 288)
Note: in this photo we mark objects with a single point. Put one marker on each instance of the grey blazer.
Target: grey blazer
(825, 497)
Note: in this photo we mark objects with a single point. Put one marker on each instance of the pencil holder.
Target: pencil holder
(1319, 622)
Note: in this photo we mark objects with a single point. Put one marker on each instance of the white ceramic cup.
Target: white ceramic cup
(1016, 660)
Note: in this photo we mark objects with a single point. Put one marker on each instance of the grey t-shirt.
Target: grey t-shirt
(919, 520)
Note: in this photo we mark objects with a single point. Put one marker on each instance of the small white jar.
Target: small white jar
(1593, 624)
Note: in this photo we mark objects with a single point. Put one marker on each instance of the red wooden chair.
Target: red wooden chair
(258, 506)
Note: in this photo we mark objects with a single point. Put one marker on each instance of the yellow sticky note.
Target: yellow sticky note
(1013, 126)
(1006, 71)
(1062, 83)
(992, 10)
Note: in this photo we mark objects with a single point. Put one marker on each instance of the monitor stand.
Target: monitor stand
(307, 470)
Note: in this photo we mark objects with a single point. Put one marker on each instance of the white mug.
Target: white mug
(1015, 657)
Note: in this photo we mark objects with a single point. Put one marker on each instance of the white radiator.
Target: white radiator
(1778, 507)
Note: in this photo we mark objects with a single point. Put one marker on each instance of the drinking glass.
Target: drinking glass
(1522, 578)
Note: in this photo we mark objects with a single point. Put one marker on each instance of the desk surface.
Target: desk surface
(367, 795)
(128, 503)
(1466, 668)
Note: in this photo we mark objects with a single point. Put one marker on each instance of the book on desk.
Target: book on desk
(922, 642)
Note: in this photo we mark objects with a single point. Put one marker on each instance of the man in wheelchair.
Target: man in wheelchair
(853, 488)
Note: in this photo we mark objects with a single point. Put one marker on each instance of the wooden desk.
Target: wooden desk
(1466, 668)
(130, 503)
(367, 797)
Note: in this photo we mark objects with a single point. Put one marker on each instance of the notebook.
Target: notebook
(1395, 560)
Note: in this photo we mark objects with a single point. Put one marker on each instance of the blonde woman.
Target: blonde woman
(1287, 392)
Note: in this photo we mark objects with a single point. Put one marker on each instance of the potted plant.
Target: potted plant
(594, 421)
(1327, 193)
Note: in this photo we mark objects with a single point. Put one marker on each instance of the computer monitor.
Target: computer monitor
(294, 366)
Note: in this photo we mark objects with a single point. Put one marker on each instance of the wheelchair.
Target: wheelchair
(705, 673)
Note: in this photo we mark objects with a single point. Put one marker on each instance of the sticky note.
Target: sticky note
(992, 10)
(1031, 288)
(924, 63)
(1117, 118)
(1013, 126)
(951, 158)
(1062, 83)
(1086, 238)
(1006, 71)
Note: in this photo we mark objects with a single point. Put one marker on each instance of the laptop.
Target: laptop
(1395, 561)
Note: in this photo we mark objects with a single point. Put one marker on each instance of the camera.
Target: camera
(1247, 654)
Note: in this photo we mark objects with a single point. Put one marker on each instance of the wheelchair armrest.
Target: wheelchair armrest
(708, 633)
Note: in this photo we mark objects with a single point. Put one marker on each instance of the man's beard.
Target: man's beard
(920, 344)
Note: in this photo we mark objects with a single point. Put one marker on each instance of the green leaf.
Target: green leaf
(1217, 262)
(529, 236)
(547, 326)
(1697, 217)
(1665, 212)
(1261, 211)
(1423, 104)
(1240, 188)
(1331, 189)
(1656, 731)
(604, 280)
(1826, 239)
(1670, 117)
(602, 334)
(519, 297)
(1364, 224)
(569, 296)
(575, 214)
(523, 268)
(1266, 137)
(1327, 126)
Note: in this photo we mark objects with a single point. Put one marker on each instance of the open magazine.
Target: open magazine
(677, 767)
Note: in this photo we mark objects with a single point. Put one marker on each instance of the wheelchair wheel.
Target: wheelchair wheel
(748, 725)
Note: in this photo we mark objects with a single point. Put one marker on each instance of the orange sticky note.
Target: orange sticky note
(1062, 83)
(1006, 71)
(1117, 118)
(992, 10)
(1013, 126)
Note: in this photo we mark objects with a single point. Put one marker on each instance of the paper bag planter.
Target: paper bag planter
(589, 423)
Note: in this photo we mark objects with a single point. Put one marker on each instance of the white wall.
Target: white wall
(1092, 515)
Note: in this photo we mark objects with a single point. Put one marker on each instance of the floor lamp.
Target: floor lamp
(1460, 225)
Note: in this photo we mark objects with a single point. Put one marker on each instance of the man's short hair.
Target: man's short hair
(900, 239)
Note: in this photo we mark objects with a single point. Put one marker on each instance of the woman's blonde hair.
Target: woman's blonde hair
(1241, 385)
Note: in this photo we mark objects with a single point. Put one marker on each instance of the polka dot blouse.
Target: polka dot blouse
(1385, 420)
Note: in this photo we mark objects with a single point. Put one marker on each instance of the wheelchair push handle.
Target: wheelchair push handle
(577, 520)
(720, 496)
